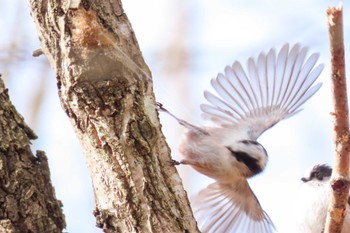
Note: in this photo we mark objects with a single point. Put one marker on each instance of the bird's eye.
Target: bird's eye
(315, 175)
(319, 176)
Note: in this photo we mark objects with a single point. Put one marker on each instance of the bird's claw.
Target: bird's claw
(174, 162)
(159, 106)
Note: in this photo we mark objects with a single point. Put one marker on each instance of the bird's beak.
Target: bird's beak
(303, 179)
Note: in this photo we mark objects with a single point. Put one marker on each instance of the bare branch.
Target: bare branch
(340, 175)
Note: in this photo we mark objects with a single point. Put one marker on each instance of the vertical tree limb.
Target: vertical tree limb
(27, 197)
(340, 175)
(106, 90)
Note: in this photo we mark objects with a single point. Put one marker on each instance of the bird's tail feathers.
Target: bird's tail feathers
(230, 208)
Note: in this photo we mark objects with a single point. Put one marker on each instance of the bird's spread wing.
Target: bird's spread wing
(274, 88)
(230, 209)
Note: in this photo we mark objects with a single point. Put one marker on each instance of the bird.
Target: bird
(311, 202)
(247, 103)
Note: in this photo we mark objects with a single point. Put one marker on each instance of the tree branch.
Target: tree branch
(340, 175)
(27, 197)
(106, 90)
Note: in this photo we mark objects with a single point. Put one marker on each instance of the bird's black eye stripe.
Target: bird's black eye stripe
(321, 171)
(250, 142)
(250, 162)
(255, 143)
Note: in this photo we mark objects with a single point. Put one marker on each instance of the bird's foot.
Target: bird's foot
(174, 162)
(159, 107)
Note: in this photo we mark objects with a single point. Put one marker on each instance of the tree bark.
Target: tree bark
(27, 197)
(340, 175)
(106, 90)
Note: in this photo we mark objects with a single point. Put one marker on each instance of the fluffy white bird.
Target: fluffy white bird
(274, 88)
(312, 201)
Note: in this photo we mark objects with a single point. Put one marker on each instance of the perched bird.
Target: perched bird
(312, 201)
(246, 105)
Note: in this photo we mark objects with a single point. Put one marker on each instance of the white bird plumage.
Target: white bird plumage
(274, 88)
(311, 202)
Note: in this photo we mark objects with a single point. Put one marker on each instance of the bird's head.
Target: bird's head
(252, 156)
(318, 174)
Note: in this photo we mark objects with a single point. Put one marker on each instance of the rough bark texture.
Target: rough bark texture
(106, 90)
(340, 175)
(27, 198)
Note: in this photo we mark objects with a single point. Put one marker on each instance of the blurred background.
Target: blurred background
(185, 44)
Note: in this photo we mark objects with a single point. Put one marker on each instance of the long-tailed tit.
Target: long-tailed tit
(274, 88)
(313, 199)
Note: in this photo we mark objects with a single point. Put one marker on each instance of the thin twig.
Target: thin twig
(37, 53)
(340, 175)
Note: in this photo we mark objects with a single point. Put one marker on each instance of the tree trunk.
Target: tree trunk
(106, 90)
(27, 198)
